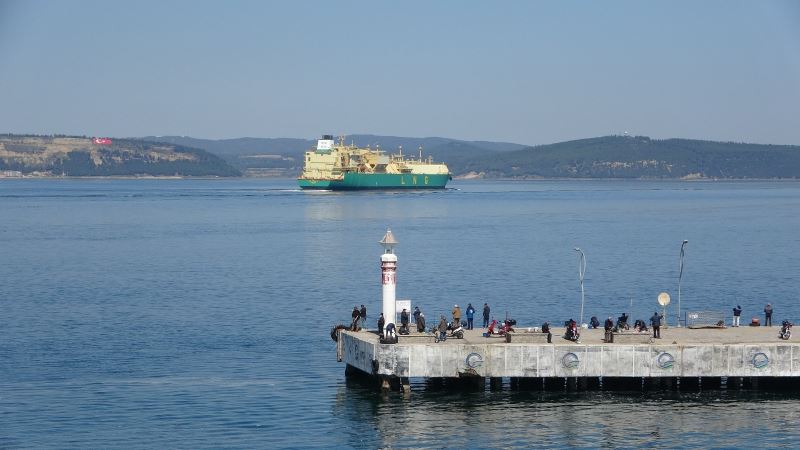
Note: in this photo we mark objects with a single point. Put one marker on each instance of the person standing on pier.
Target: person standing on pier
(609, 329)
(416, 314)
(381, 323)
(356, 315)
(768, 315)
(404, 322)
(656, 322)
(486, 311)
(456, 316)
(442, 327)
(470, 316)
(737, 312)
(363, 314)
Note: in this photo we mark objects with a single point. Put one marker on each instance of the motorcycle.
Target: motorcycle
(501, 330)
(456, 330)
(786, 330)
(452, 331)
(572, 333)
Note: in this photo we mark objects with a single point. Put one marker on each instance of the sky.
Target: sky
(517, 71)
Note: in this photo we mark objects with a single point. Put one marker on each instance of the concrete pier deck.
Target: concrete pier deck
(678, 336)
(682, 352)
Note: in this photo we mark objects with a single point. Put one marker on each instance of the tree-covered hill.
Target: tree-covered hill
(284, 156)
(82, 156)
(601, 157)
(639, 157)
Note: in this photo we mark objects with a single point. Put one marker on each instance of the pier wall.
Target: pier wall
(359, 353)
(547, 360)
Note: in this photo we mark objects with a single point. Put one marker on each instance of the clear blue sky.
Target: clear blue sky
(520, 71)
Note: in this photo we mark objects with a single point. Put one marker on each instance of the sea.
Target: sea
(194, 313)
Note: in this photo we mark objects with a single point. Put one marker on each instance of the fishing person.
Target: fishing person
(456, 316)
(470, 316)
(655, 321)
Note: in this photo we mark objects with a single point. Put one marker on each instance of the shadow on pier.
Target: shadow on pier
(359, 379)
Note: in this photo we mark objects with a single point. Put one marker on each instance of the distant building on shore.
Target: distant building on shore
(10, 174)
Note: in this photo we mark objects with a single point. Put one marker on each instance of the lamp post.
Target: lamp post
(680, 276)
(581, 273)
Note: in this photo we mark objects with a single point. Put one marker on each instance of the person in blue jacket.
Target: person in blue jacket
(656, 322)
(470, 315)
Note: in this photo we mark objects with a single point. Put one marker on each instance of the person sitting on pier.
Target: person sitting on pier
(546, 329)
(594, 322)
(491, 327)
(622, 322)
(639, 325)
(442, 328)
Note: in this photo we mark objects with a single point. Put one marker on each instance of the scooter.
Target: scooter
(786, 330)
(500, 330)
(572, 334)
(456, 331)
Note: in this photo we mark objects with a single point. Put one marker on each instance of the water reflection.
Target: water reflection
(527, 419)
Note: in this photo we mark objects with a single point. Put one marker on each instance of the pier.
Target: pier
(742, 357)
(683, 358)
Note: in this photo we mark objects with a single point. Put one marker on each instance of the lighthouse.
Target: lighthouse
(388, 277)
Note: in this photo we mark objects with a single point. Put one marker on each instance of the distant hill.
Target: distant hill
(284, 156)
(601, 157)
(638, 157)
(81, 156)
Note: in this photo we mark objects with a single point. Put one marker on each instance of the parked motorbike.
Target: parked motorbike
(501, 330)
(572, 333)
(786, 330)
(455, 330)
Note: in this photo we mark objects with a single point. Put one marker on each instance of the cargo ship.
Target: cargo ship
(336, 166)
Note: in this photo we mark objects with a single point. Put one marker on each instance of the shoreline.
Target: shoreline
(456, 178)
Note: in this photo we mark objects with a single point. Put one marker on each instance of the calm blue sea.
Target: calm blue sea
(196, 313)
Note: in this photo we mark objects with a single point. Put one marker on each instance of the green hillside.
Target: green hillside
(601, 157)
(284, 156)
(639, 157)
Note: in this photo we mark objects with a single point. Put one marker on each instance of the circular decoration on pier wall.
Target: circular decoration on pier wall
(570, 360)
(665, 360)
(760, 360)
(474, 360)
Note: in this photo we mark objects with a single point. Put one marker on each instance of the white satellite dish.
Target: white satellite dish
(663, 299)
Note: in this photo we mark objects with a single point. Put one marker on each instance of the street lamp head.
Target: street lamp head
(685, 241)
(577, 249)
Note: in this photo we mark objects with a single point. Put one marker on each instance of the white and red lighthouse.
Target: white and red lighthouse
(389, 277)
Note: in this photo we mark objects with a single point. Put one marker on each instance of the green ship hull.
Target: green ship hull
(359, 181)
